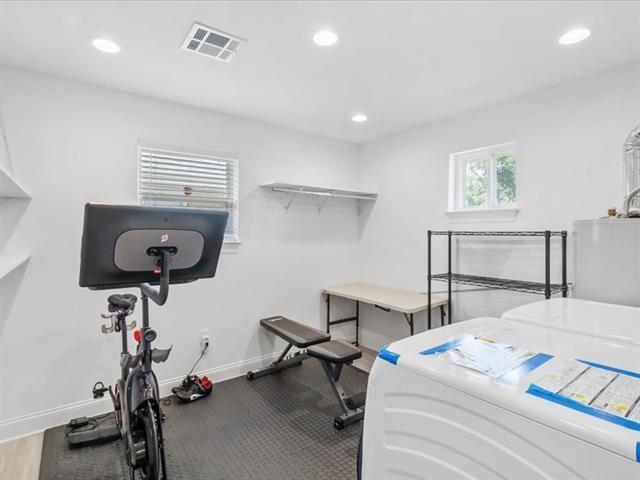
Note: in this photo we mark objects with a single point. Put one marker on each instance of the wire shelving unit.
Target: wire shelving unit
(545, 288)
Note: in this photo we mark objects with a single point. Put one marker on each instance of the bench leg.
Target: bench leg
(346, 419)
(279, 365)
(349, 415)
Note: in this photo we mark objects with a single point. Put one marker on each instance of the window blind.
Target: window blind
(181, 179)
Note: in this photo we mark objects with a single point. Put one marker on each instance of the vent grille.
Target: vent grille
(212, 43)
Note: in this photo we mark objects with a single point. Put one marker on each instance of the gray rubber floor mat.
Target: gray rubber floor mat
(275, 427)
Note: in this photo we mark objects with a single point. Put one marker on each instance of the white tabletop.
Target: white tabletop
(397, 300)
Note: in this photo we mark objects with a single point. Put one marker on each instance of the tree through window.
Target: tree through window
(483, 178)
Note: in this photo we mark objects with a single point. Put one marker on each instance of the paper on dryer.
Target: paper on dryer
(586, 387)
(488, 357)
(635, 413)
(619, 396)
(564, 373)
(605, 390)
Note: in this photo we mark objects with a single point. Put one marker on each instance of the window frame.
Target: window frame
(230, 239)
(457, 184)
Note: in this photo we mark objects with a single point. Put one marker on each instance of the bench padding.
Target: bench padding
(294, 332)
(335, 351)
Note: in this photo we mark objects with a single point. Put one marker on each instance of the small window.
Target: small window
(483, 179)
(187, 178)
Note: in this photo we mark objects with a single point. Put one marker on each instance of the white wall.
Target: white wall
(71, 143)
(569, 167)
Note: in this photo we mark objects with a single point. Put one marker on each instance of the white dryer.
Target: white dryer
(430, 418)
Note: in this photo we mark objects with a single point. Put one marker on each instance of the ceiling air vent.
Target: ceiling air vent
(212, 43)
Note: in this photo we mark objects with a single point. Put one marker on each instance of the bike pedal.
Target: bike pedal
(99, 390)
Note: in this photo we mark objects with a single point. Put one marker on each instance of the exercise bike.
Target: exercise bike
(132, 246)
(136, 398)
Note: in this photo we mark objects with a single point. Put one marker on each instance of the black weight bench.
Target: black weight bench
(295, 334)
(332, 354)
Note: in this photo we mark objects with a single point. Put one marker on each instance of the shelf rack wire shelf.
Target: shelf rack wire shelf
(467, 233)
(545, 288)
(498, 283)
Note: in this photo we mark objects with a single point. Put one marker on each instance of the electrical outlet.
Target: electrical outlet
(205, 341)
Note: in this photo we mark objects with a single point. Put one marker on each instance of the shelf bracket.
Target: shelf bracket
(293, 195)
(321, 204)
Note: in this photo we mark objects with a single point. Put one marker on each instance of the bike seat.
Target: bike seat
(125, 301)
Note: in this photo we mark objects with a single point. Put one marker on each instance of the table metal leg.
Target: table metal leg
(429, 280)
(328, 312)
(442, 315)
(357, 323)
(355, 318)
(564, 264)
(449, 309)
(409, 318)
(547, 264)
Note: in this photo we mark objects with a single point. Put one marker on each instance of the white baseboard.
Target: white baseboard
(37, 422)
(373, 340)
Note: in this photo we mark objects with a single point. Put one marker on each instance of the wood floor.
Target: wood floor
(366, 361)
(20, 459)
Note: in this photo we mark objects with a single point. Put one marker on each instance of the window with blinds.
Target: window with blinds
(168, 177)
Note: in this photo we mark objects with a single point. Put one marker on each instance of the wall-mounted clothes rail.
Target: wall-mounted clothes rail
(323, 193)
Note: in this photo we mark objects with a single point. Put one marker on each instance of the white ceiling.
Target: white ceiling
(401, 63)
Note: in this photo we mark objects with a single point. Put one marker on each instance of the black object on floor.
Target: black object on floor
(84, 431)
(277, 427)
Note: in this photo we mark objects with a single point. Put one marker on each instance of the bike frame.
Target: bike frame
(138, 383)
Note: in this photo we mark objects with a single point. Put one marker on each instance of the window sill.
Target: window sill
(484, 215)
(231, 246)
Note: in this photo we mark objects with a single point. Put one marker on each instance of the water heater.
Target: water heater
(632, 169)
(607, 260)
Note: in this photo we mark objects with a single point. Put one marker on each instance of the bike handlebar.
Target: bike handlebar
(159, 293)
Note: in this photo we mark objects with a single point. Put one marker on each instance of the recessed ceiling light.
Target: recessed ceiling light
(359, 118)
(325, 38)
(574, 36)
(105, 45)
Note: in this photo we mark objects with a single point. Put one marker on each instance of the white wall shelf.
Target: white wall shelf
(9, 186)
(322, 192)
(9, 262)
